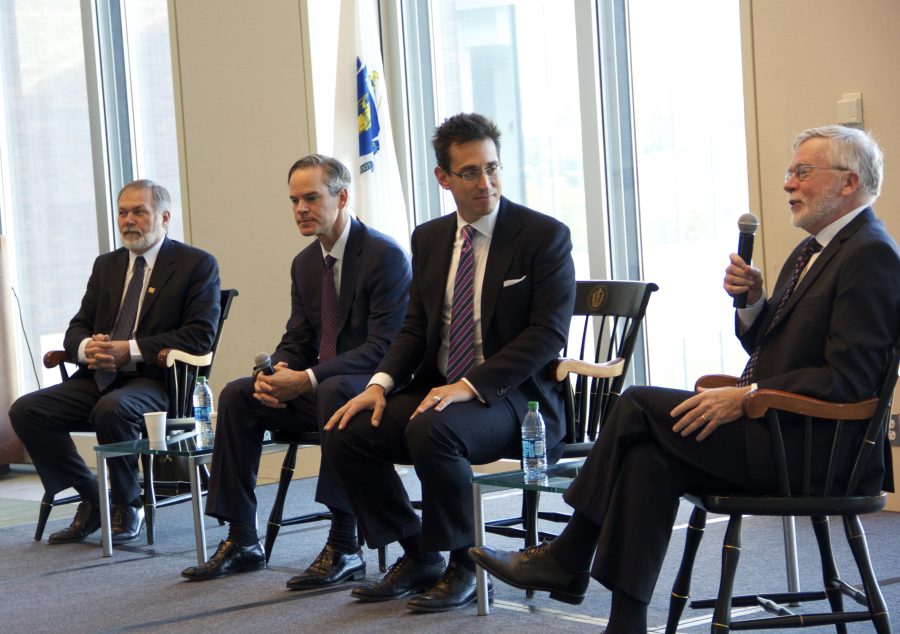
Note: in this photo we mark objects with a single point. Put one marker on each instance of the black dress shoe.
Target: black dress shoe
(406, 576)
(229, 558)
(126, 523)
(329, 568)
(456, 589)
(534, 569)
(87, 520)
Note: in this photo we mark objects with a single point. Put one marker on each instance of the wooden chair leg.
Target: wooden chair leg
(681, 589)
(149, 498)
(284, 481)
(731, 554)
(856, 537)
(43, 516)
(830, 576)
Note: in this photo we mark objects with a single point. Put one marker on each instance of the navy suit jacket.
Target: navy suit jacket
(375, 278)
(527, 298)
(835, 337)
(180, 308)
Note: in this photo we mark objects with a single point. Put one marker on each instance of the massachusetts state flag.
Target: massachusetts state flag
(362, 123)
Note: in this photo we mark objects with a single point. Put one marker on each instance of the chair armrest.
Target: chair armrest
(168, 356)
(709, 381)
(562, 367)
(55, 357)
(755, 405)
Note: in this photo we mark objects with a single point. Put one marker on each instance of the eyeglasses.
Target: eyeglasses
(802, 171)
(472, 175)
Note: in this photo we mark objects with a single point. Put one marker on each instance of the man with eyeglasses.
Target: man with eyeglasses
(490, 304)
(826, 332)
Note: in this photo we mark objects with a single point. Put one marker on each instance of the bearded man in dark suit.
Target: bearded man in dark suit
(828, 333)
(452, 391)
(174, 302)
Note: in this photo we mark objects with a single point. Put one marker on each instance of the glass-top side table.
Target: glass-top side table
(559, 477)
(180, 445)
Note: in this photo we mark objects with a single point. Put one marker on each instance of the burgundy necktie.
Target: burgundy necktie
(462, 313)
(124, 325)
(812, 247)
(329, 314)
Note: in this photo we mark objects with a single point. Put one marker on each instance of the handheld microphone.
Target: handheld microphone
(747, 225)
(263, 364)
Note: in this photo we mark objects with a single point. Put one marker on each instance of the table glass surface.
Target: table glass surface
(559, 477)
(184, 444)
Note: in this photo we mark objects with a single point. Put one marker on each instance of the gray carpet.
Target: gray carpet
(48, 588)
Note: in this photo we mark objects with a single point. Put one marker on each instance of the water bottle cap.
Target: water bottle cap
(533, 405)
(201, 379)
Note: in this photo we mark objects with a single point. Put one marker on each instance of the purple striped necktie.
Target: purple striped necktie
(462, 314)
(812, 247)
(124, 325)
(328, 341)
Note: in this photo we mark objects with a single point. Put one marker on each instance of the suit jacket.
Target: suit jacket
(375, 278)
(527, 298)
(835, 337)
(180, 308)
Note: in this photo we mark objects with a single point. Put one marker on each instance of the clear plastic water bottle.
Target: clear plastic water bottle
(203, 409)
(534, 444)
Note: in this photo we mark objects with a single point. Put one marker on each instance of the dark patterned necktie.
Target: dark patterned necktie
(124, 325)
(812, 247)
(329, 314)
(462, 313)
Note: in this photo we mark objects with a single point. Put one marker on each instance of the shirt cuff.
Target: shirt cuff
(746, 316)
(469, 383)
(82, 357)
(312, 379)
(136, 356)
(384, 380)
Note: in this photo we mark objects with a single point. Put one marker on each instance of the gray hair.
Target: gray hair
(161, 198)
(853, 149)
(337, 176)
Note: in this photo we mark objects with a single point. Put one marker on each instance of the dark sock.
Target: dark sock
(342, 535)
(461, 557)
(627, 615)
(242, 534)
(412, 547)
(89, 492)
(575, 546)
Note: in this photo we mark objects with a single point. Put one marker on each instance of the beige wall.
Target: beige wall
(243, 118)
(800, 56)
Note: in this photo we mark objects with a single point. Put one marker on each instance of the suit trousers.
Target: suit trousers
(638, 469)
(242, 421)
(442, 446)
(44, 419)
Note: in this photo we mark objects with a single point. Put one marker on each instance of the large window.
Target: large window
(72, 131)
(691, 162)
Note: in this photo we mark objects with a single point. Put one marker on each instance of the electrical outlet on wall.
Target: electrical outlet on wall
(894, 430)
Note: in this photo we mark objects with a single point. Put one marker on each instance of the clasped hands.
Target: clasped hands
(373, 399)
(104, 354)
(283, 385)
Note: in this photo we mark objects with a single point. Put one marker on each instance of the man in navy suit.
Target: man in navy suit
(175, 304)
(424, 407)
(831, 338)
(324, 359)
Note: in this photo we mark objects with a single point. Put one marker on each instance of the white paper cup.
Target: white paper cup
(156, 428)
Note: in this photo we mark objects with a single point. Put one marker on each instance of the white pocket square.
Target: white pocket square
(513, 282)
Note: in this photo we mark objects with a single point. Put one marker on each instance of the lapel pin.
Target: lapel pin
(151, 290)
